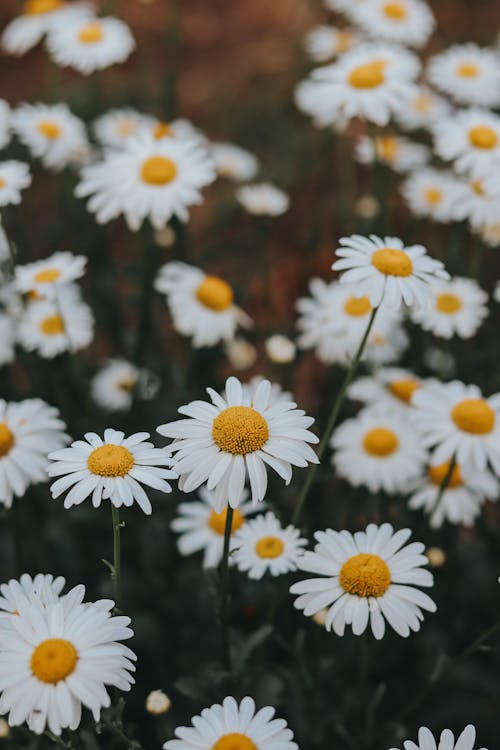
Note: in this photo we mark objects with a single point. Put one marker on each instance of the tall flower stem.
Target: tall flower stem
(224, 592)
(116, 573)
(332, 419)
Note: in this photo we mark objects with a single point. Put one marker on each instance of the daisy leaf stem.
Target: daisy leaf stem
(115, 573)
(224, 592)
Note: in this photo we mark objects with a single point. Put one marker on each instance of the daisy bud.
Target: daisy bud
(158, 702)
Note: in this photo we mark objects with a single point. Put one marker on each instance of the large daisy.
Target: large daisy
(458, 308)
(465, 741)
(405, 21)
(471, 140)
(37, 18)
(14, 177)
(263, 546)
(468, 73)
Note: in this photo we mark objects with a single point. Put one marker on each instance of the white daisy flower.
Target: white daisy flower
(465, 741)
(383, 268)
(237, 436)
(118, 127)
(45, 277)
(52, 661)
(38, 17)
(458, 308)
(7, 339)
(398, 153)
(149, 178)
(234, 162)
(29, 430)
(263, 546)
(113, 387)
(326, 42)
(89, 44)
(178, 128)
(5, 123)
(367, 577)
(479, 202)
(51, 133)
(201, 305)
(391, 387)
(408, 22)
(385, 348)
(241, 353)
(42, 586)
(433, 193)
(111, 469)
(377, 449)
(422, 109)
(471, 140)
(490, 234)
(468, 73)
(277, 393)
(235, 726)
(14, 177)
(455, 419)
(263, 199)
(201, 528)
(280, 349)
(462, 499)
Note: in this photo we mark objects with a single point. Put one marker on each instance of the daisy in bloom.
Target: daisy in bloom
(51, 133)
(461, 500)
(384, 348)
(479, 202)
(405, 21)
(367, 577)
(53, 660)
(29, 430)
(113, 387)
(383, 268)
(398, 153)
(45, 277)
(201, 528)
(235, 726)
(149, 178)
(237, 436)
(455, 419)
(201, 305)
(471, 140)
(458, 308)
(234, 162)
(263, 546)
(433, 193)
(14, 177)
(326, 42)
(38, 17)
(263, 199)
(277, 393)
(422, 109)
(390, 387)
(5, 123)
(280, 349)
(118, 127)
(468, 73)
(112, 469)
(377, 449)
(7, 339)
(46, 587)
(241, 353)
(465, 741)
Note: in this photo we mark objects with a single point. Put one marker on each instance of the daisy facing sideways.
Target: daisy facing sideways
(468, 73)
(44, 277)
(238, 436)
(366, 579)
(390, 387)
(37, 18)
(326, 42)
(234, 162)
(118, 127)
(263, 199)
(422, 109)
(465, 741)
(458, 308)
(400, 154)
(263, 546)
(114, 386)
(14, 177)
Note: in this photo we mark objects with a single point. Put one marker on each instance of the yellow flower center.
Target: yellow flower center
(162, 130)
(234, 741)
(395, 11)
(437, 474)
(344, 40)
(49, 129)
(127, 384)
(357, 306)
(404, 388)
(53, 325)
(422, 103)
(2, 183)
(6, 439)
(368, 76)
(124, 128)
(387, 148)
(91, 33)
(468, 70)
(269, 547)
(477, 187)
(365, 575)
(158, 170)
(434, 196)
(110, 461)
(53, 660)
(474, 415)
(448, 303)
(215, 293)
(47, 276)
(482, 136)
(380, 442)
(240, 430)
(217, 521)
(392, 262)
(34, 7)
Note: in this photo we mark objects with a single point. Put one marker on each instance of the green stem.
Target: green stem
(363, 679)
(224, 591)
(332, 419)
(446, 480)
(59, 740)
(116, 556)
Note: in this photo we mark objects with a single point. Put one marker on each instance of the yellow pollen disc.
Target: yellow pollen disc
(437, 474)
(392, 262)
(434, 196)
(34, 296)
(482, 136)
(379, 340)
(368, 76)
(158, 170)
(344, 40)
(269, 547)
(47, 276)
(422, 103)
(215, 293)
(234, 741)
(162, 130)
(357, 306)
(387, 148)
(477, 187)
(127, 384)
(380, 442)
(53, 660)
(34, 7)
(91, 33)
(240, 430)
(126, 127)
(404, 388)
(365, 575)
(468, 70)
(6, 439)
(52, 326)
(49, 129)
(395, 11)
(110, 461)
(2, 183)
(474, 415)
(448, 303)
(217, 521)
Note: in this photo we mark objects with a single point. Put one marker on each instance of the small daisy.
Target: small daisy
(201, 305)
(111, 469)
(408, 22)
(5, 123)
(471, 140)
(234, 162)
(155, 179)
(263, 546)
(29, 430)
(158, 703)
(384, 348)
(323, 43)
(383, 268)
(280, 349)
(366, 577)
(234, 437)
(490, 234)
(479, 202)
(263, 199)
(118, 127)
(113, 387)
(38, 17)
(468, 73)
(455, 419)
(391, 387)
(241, 353)
(398, 153)
(465, 741)
(422, 109)
(52, 661)
(433, 193)
(233, 726)
(201, 528)
(51, 133)
(178, 128)
(7, 339)
(377, 449)
(458, 308)
(45, 277)
(44, 587)
(14, 177)
(461, 500)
